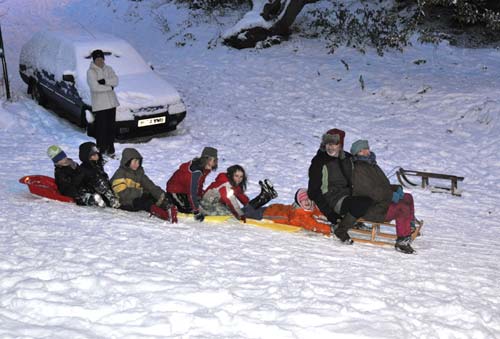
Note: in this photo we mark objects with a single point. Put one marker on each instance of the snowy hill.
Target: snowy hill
(74, 272)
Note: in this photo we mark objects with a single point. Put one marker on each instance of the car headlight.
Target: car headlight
(177, 108)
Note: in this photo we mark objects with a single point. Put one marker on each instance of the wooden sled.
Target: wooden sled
(378, 235)
(403, 174)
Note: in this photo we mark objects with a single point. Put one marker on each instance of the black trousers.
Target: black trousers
(105, 130)
(356, 206)
(143, 203)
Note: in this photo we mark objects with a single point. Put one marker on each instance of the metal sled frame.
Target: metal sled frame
(377, 236)
(403, 174)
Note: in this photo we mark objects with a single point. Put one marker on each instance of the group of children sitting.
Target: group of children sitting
(131, 189)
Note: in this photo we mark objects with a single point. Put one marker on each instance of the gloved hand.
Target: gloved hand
(173, 214)
(332, 217)
(243, 219)
(102, 81)
(398, 195)
(199, 216)
(115, 203)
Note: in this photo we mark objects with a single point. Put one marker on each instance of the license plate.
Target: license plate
(152, 121)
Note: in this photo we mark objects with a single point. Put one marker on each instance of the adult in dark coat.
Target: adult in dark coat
(330, 184)
(369, 180)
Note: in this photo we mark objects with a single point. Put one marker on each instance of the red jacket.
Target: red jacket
(189, 180)
(227, 194)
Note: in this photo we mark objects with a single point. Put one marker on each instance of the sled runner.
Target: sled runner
(44, 186)
(403, 174)
(381, 232)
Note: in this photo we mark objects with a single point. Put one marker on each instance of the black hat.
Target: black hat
(97, 54)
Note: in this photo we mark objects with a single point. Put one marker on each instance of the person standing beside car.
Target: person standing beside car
(102, 80)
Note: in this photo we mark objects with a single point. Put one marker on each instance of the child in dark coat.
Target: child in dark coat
(95, 178)
(69, 179)
(137, 192)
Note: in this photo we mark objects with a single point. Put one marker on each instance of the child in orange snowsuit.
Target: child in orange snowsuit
(303, 213)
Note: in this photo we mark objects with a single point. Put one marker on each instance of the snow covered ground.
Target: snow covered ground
(75, 272)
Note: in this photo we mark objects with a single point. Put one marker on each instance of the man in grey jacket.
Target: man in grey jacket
(102, 80)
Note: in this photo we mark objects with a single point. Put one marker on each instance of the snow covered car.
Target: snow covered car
(54, 66)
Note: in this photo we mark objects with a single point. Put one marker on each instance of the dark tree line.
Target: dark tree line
(383, 24)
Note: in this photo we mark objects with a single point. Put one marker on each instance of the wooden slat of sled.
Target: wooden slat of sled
(259, 223)
(376, 236)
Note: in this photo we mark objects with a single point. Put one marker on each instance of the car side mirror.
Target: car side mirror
(69, 78)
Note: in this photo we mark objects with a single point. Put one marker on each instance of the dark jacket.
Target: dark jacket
(93, 170)
(95, 179)
(129, 184)
(329, 180)
(369, 180)
(69, 179)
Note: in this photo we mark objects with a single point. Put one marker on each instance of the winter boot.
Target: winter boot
(403, 245)
(159, 212)
(260, 200)
(267, 186)
(341, 231)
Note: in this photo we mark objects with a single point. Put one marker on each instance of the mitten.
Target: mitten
(102, 81)
(199, 216)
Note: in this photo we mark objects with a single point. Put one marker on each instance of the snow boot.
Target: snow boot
(403, 245)
(341, 231)
(260, 200)
(267, 186)
(159, 212)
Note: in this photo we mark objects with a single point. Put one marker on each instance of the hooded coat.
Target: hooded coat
(103, 96)
(129, 184)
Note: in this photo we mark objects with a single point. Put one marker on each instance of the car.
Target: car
(54, 66)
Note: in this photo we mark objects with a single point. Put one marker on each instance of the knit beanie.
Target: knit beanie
(209, 152)
(301, 197)
(55, 153)
(97, 54)
(334, 136)
(359, 145)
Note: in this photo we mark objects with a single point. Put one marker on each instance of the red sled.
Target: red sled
(44, 186)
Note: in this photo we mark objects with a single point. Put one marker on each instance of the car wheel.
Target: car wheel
(37, 94)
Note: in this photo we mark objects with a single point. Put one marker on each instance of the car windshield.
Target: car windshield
(121, 56)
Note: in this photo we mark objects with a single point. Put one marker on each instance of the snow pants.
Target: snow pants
(404, 213)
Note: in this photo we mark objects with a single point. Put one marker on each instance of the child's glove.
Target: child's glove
(398, 195)
(115, 204)
(199, 216)
(102, 81)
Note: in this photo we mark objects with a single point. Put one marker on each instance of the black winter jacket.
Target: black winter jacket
(69, 179)
(329, 181)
